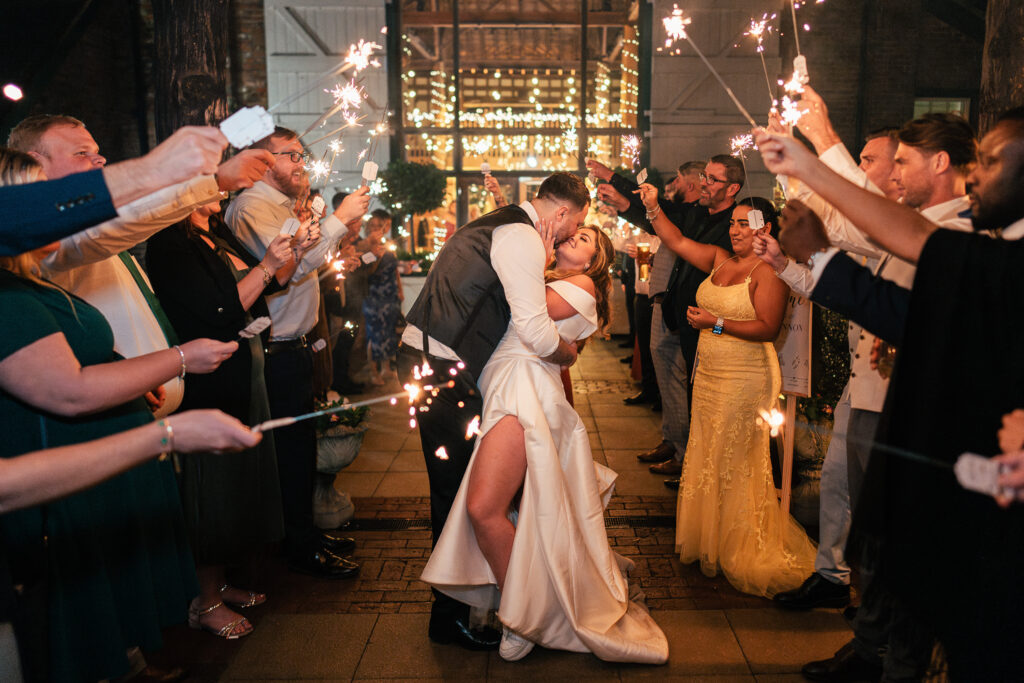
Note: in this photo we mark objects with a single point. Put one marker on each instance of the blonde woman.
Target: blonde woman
(103, 570)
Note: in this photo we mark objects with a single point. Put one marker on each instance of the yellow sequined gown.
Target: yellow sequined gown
(728, 516)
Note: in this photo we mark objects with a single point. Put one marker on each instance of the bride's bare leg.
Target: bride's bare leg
(497, 474)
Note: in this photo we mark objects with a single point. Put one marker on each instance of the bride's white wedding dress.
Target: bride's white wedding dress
(565, 588)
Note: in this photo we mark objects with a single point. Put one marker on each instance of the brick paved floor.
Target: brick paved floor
(374, 626)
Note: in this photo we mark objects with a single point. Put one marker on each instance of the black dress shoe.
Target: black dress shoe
(672, 484)
(325, 565)
(336, 543)
(845, 666)
(660, 453)
(639, 399)
(349, 388)
(816, 591)
(457, 631)
(627, 360)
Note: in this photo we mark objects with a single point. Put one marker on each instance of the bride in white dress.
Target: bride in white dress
(526, 532)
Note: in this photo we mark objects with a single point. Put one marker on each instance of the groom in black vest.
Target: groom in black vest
(489, 273)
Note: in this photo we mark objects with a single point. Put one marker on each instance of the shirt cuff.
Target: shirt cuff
(820, 261)
(798, 278)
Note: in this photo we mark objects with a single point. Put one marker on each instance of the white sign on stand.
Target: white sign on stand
(794, 349)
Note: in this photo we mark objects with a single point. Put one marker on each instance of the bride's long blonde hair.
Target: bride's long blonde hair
(599, 270)
(17, 168)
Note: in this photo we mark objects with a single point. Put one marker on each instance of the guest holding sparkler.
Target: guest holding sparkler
(210, 286)
(382, 305)
(102, 570)
(728, 515)
(256, 217)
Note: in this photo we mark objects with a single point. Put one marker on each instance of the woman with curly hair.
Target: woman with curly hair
(526, 532)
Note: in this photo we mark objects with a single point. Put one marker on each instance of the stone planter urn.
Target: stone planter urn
(337, 447)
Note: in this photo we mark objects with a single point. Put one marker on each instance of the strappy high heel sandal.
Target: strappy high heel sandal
(194, 621)
(254, 598)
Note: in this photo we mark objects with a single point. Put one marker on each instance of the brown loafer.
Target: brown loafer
(671, 467)
(660, 453)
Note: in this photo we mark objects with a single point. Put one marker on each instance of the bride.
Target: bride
(526, 532)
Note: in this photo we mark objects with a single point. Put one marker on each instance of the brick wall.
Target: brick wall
(909, 53)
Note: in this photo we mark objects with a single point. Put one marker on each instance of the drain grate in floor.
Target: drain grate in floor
(392, 524)
(603, 386)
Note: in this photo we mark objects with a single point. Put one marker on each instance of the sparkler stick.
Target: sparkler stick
(358, 57)
(796, 28)
(675, 26)
(758, 29)
(286, 421)
(337, 130)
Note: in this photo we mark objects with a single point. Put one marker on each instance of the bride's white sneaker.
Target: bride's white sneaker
(513, 646)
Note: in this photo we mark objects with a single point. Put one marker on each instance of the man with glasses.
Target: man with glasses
(257, 217)
(674, 282)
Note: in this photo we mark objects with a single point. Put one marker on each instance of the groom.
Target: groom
(489, 273)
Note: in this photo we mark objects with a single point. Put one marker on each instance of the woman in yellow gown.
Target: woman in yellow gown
(728, 515)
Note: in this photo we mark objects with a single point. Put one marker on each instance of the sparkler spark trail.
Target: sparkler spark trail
(773, 420)
(675, 27)
(318, 169)
(631, 149)
(759, 29)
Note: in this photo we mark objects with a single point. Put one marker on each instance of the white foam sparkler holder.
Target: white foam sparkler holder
(246, 126)
(290, 227)
(369, 172)
(800, 67)
(485, 168)
(756, 219)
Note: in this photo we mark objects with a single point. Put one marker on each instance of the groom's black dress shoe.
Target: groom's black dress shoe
(457, 631)
(816, 591)
(845, 666)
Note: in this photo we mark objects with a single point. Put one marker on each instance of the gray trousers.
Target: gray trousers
(861, 434)
(670, 369)
(834, 508)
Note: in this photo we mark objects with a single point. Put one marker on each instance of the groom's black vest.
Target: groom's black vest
(463, 304)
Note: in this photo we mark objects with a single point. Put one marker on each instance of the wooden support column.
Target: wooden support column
(1002, 64)
(190, 73)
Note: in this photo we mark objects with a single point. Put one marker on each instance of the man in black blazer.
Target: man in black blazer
(674, 346)
(39, 213)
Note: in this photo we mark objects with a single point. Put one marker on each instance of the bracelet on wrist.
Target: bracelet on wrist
(184, 367)
(653, 213)
(166, 440)
(267, 275)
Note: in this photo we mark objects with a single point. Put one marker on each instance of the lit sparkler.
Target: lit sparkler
(631, 149)
(740, 143)
(473, 428)
(318, 169)
(675, 28)
(773, 420)
(360, 56)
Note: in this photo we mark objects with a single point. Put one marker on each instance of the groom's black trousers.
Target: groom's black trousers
(443, 425)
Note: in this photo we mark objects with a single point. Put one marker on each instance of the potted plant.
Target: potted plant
(339, 438)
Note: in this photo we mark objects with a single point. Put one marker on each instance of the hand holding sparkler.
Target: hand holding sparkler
(783, 154)
(491, 185)
(279, 253)
(307, 235)
(599, 170)
(803, 233)
(354, 205)
(815, 123)
(612, 197)
(649, 196)
(243, 170)
(768, 250)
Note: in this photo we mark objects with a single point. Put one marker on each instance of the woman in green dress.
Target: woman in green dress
(104, 569)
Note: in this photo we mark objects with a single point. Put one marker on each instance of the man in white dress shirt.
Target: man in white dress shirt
(257, 217)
